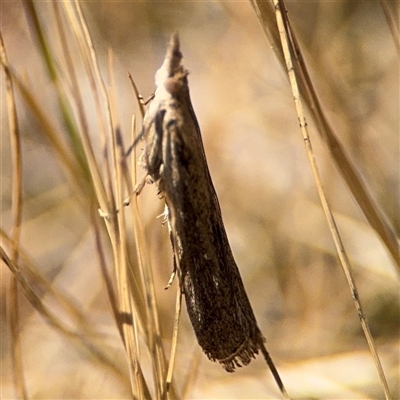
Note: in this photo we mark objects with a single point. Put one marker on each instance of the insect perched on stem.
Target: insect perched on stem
(174, 158)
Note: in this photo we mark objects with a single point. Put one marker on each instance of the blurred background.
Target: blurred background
(255, 151)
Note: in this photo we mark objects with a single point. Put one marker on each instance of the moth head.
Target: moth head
(172, 76)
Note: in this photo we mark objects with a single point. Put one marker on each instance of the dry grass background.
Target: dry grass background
(268, 198)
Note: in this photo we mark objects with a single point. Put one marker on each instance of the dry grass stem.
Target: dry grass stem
(86, 342)
(16, 204)
(391, 11)
(344, 164)
(286, 35)
(174, 344)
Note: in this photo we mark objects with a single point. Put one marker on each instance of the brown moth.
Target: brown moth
(174, 158)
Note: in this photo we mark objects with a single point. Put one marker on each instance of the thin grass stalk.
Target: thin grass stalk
(274, 372)
(109, 126)
(72, 156)
(88, 150)
(116, 228)
(126, 307)
(392, 18)
(50, 131)
(153, 332)
(106, 128)
(153, 336)
(111, 295)
(61, 304)
(77, 96)
(124, 271)
(16, 353)
(106, 276)
(288, 49)
(137, 368)
(80, 340)
(376, 218)
(15, 139)
(138, 96)
(81, 30)
(50, 63)
(266, 15)
(42, 287)
(106, 201)
(16, 205)
(174, 343)
(349, 172)
(77, 24)
(104, 198)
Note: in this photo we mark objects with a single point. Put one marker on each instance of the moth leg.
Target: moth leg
(151, 159)
(171, 238)
(172, 277)
(153, 153)
(139, 187)
(148, 100)
(104, 214)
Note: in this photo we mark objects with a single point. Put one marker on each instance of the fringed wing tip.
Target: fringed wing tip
(242, 357)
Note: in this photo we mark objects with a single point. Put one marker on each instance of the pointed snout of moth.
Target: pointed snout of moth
(172, 76)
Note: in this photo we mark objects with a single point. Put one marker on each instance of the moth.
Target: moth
(174, 159)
